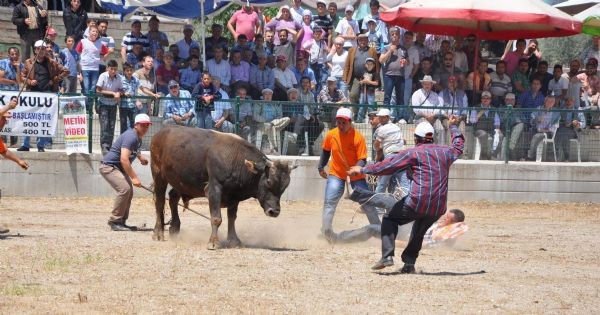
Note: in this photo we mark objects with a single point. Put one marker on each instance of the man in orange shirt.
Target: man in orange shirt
(346, 147)
(3, 151)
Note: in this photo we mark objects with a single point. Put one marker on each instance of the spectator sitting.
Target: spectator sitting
(301, 70)
(542, 74)
(589, 84)
(245, 118)
(331, 94)
(425, 68)
(206, 93)
(240, 71)
(532, 98)
(261, 77)
(190, 76)
(215, 40)
(544, 120)
(221, 116)
(460, 58)
(486, 124)
(456, 99)
(500, 85)
(135, 56)
(165, 73)
(260, 47)
(177, 59)
(284, 79)
(559, 85)
(593, 51)
(309, 120)
(219, 67)
(449, 69)
(572, 121)
(179, 111)
(519, 78)
(268, 117)
(426, 97)
(513, 58)
(129, 106)
(249, 57)
(478, 82)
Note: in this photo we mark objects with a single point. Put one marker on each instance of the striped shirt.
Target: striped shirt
(129, 40)
(430, 166)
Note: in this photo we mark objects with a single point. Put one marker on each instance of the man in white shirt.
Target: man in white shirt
(284, 79)
(388, 142)
(187, 42)
(559, 85)
(348, 29)
(219, 67)
(426, 97)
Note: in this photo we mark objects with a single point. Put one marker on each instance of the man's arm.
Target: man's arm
(9, 155)
(126, 165)
(324, 159)
(458, 140)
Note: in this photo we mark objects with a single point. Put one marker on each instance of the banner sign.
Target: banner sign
(75, 122)
(36, 114)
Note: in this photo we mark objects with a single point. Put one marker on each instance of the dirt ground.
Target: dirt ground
(60, 257)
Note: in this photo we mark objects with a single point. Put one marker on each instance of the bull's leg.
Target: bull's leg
(214, 203)
(174, 197)
(160, 189)
(232, 238)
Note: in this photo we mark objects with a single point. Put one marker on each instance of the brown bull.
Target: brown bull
(222, 167)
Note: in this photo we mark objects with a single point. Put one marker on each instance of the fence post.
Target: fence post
(507, 131)
(90, 107)
(237, 114)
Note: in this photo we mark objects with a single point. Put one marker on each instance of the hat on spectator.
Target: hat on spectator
(344, 113)
(331, 79)
(363, 35)
(424, 130)
(39, 43)
(510, 96)
(427, 78)
(321, 2)
(173, 83)
(267, 90)
(317, 28)
(142, 119)
(486, 94)
(372, 113)
(349, 8)
(188, 27)
(281, 58)
(369, 59)
(384, 112)
(369, 20)
(292, 90)
(51, 32)
(136, 22)
(306, 12)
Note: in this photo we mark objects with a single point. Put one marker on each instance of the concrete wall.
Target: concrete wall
(54, 174)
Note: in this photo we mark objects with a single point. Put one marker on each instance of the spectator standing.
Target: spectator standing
(412, 66)
(132, 38)
(574, 91)
(286, 48)
(190, 76)
(318, 51)
(336, 59)
(559, 85)
(593, 51)
(219, 67)
(380, 26)
(460, 58)
(542, 73)
(91, 50)
(354, 70)
(10, 78)
(109, 84)
(348, 28)
(41, 74)
(477, 82)
(215, 40)
(324, 21)
(147, 87)
(70, 59)
(130, 106)
(306, 32)
(519, 78)
(75, 20)
(512, 58)
(297, 11)
(284, 21)
(394, 59)
(107, 40)
(156, 38)
(501, 84)
(165, 73)
(31, 21)
(205, 93)
(244, 21)
(187, 42)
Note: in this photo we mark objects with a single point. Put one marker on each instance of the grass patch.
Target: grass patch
(19, 290)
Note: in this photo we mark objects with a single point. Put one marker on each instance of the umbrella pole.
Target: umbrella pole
(203, 33)
(476, 60)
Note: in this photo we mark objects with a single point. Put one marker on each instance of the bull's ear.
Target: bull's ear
(251, 166)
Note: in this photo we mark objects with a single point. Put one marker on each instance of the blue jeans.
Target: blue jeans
(342, 86)
(90, 78)
(321, 75)
(204, 120)
(395, 83)
(41, 142)
(370, 99)
(333, 192)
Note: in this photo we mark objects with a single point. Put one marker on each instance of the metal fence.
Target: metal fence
(522, 134)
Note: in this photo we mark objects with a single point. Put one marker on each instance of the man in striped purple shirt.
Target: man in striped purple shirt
(429, 165)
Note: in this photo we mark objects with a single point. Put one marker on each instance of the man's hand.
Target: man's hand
(12, 104)
(576, 124)
(117, 96)
(43, 13)
(176, 118)
(143, 160)
(23, 164)
(323, 174)
(454, 120)
(136, 182)
(430, 118)
(354, 170)
(219, 123)
(28, 21)
(33, 82)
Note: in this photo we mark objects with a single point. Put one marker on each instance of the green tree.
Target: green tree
(561, 50)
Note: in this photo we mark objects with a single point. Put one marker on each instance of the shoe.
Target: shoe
(23, 149)
(130, 227)
(41, 150)
(408, 268)
(383, 262)
(118, 227)
(3, 230)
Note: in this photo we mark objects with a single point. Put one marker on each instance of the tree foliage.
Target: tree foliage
(561, 50)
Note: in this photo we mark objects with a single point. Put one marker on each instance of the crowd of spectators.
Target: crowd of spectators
(301, 59)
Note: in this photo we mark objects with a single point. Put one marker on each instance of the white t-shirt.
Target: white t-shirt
(557, 86)
(286, 77)
(337, 62)
(344, 27)
(432, 99)
(390, 137)
(413, 61)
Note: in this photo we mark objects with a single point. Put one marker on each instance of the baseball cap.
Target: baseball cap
(344, 113)
(369, 20)
(349, 8)
(142, 119)
(369, 59)
(173, 83)
(424, 130)
(321, 2)
(372, 113)
(317, 28)
(363, 35)
(188, 27)
(267, 90)
(39, 43)
(509, 96)
(306, 12)
(331, 79)
(292, 90)
(486, 94)
(384, 112)
(52, 32)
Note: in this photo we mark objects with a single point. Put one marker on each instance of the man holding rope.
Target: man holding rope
(346, 147)
(429, 166)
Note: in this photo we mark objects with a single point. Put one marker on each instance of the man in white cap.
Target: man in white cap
(388, 142)
(187, 42)
(426, 200)
(347, 148)
(348, 28)
(117, 170)
(427, 97)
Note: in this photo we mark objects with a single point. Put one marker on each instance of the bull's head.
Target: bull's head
(274, 179)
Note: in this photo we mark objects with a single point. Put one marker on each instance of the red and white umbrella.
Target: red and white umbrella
(500, 20)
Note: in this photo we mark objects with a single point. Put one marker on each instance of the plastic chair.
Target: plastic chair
(544, 144)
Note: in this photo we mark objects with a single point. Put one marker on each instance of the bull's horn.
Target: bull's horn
(250, 166)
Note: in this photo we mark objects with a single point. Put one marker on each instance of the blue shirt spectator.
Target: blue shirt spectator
(185, 104)
(10, 73)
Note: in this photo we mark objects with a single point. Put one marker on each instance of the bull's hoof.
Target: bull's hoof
(234, 243)
(173, 230)
(213, 245)
(158, 236)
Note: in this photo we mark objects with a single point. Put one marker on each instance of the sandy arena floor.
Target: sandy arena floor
(60, 257)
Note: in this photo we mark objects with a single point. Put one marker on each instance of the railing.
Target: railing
(518, 138)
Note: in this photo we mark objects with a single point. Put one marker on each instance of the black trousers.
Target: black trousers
(400, 215)
(108, 117)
